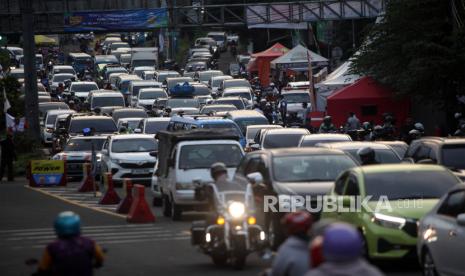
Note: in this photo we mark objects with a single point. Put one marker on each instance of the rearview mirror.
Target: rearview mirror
(255, 178)
(461, 219)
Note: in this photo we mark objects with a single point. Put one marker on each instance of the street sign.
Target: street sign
(47, 173)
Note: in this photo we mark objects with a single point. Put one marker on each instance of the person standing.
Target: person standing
(8, 156)
(353, 123)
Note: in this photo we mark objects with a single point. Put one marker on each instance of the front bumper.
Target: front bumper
(141, 176)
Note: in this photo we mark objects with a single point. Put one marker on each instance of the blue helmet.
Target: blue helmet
(67, 224)
(342, 242)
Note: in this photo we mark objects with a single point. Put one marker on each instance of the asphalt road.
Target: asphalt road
(161, 248)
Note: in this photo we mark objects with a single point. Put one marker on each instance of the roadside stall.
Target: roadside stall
(262, 62)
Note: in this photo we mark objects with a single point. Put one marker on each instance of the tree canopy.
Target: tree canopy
(418, 50)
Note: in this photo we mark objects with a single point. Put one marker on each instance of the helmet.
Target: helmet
(367, 155)
(67, 224)
(298, 222)
(327, 119)
(414, 134)
(378, 129)
(341, 243)
(217, 168)
(366, 125)
(123, 129)
(168, 109)
(458, 115)
(419, 127)
(272, 85)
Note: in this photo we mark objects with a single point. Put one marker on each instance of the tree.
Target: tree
(418, 50)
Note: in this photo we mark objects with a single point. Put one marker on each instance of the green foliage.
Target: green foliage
(13, 93)
(4, 59)
(417, 51)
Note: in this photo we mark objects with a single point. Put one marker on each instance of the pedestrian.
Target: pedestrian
(327, 125)
(307, 120)
(8, 157)
(71, 254)
(292, 258)
(342, 253)
(353, 123)
(367, 156)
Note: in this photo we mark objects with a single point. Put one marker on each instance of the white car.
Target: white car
(441, 235)
(130, 156)
(81, 89)
(49, 123)
(215, 82)
(147, 97)
(154, 124)
(243, 92)
(131, 123)
(62, 69)
(60, 78)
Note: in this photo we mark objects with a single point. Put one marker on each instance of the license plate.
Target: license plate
(140, 171)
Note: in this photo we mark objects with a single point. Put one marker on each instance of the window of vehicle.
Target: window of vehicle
(312, 143)
(133, 124)
(352, 188)
(235, 83)
(454, 205)
(99, 125)
(51, 118)
(453, 156)
(177, 102)
(285, 140)
(18, 75)
(217, 81)
(129, 113)
(207, 109)
(144, 62)
(134, 145)
(64, 71)
(107, 101)
(61, 78)
(252, 165)
(297, 98)
(84, 145)
(340, 184)
(201, 90)
(239, 104)
(83, 87)
(409, 184)
(149, 95)
(137, 87)
(306, 168)
(203, 156)
(245, 95)
(223, 125)
(208, 75)
(382, 156)
(155, 127)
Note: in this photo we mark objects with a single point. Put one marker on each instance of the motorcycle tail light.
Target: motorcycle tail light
(251, 220)
(220, 221)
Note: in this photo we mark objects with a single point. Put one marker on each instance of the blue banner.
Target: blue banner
(136, 20)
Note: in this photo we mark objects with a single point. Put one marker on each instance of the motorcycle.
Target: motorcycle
(231, 233)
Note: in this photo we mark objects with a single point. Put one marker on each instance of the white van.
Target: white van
(145, 56)
(135, 86)
(220, 38)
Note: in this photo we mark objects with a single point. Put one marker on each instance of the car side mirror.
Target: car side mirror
(426, 161)
(137, 130)
(104, 151)
(255, 178)
(153, 153)
(408, 160)
(461, 219)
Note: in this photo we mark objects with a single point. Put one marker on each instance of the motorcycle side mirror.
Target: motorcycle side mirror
(255, 178)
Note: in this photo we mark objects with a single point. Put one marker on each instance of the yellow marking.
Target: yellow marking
(75, 203)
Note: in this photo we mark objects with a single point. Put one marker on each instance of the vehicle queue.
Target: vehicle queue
(174, 129)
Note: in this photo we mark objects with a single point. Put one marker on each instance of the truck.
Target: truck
(144, 56)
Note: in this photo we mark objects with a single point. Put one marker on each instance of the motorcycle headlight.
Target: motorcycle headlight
(388, 221)
(236, 209)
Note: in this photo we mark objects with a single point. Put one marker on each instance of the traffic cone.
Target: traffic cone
(87, 183)
(125, 204)
(110, 196)
(140, 211)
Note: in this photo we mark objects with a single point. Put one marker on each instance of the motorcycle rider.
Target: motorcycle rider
(353, 123)
(367, 156)
(327, 125)
(366, 127)
(377, 134)
(342, 253)
(219, 174)
(461, 131)
(292, 258)
(71, 254)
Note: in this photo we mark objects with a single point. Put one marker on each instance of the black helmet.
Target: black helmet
(414, 134)
(367, 155)
(327, 119)
(419, 127)
(217, 168)
(366, 125)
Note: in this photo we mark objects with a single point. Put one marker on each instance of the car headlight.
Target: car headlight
(388, 221)
(236, 209)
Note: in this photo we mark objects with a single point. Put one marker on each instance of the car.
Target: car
(132, 123)
(243, 92)
(291, 171)
(147, 97)
(17, 73)
(140, 69)
(233, 83)
(193, 66)
(44, 107)
(79, 61)
(49, 123)
(60, 78)
(220, 38)
(123, 81)
(202, 92)
(213, 108)
(239, 102)
(129, 156)
(128, 113)
(162, 75)
(101, 61)
(448, 152)
(135, 86)
(205, 41)
(62, 69)
(205, 76)
(384, 154)
(115, 45)
(399, 146)
(397, 196)
(295, 100)
(154, 125)
(108, 70)
(282, 138)
(312, 139)
(77, 151)
(148, 75)
(216, 81)
(244, 118)
(252, 130)
(183, 103)
(106, 99)
(81, 89)
(441, 235)
(113, 78)
(187, 156)
(99, 124)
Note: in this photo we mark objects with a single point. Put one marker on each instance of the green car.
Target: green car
(391, 199)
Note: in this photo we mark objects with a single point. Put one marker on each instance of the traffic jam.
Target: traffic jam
(268, 174)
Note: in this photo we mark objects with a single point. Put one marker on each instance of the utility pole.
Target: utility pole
(30, 74)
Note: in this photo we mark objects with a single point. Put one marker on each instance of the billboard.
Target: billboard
(47, 173)
(125, 20)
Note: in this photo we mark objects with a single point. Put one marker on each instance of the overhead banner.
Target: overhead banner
(124, 20)
(47, 173)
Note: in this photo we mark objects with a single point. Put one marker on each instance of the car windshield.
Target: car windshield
(50, 106)
(284, 140)
(64, 71)
(155, 127)
(84, 145)
(208, 109)
(217, 37)
(382, 156)
(239, 104)
(18, 75)
(313, 142)
(306, 168)
(84, 87)
(201, 91)
(137, 87)
(98, 125)
(134, 145)
(297, 98)
(152, 95)
(134, 113)
(244, 122)
(51, 118)
(217, 82)
(413, 184)
(252, 132)
(61, 78)
(133, 124)
(223, 125)
(177, 103)
(203, 156)
(208, 75)
(82, 61)
(453, 156)
(236, 83)
(163, 77)
(107, 101)
(245, 95)
(144, 62)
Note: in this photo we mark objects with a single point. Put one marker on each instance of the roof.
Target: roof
(93, 117)
(355, 145)
(89, 137)
(79, 54)
(157, 119)
(303, 151)
(279, 131)
(126, 109)
(60, 111)
(107, 94)
(398, 168)
(298, 54)
(365, 88)
(237, 89)
(132, 136)
(83, 82)
(318, 136)
(274, 51)
(245, 114)
(63, 67)
(452, 140)
(226, 77)
(263, 126)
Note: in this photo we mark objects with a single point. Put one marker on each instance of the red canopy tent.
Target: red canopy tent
(368, 100)
(263, 59)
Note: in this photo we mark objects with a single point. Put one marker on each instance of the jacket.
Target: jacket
(292, 258)
(357, 267)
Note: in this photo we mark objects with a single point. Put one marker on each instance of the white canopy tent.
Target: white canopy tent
(297, 60)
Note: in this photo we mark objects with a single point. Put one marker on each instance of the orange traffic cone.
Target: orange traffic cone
(125, 204)
(87, 183)
(140, 211)
(110, 196)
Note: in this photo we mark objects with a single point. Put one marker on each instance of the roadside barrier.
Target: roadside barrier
(110, 196)
(88, 182)
(140, 211)
(125, 204)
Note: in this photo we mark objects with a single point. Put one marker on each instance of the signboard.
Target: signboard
(146, 19)
(47, 173)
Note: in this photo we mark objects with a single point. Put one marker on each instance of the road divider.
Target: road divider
(88, 182)
(140, 211)
(125, 204)
(110, 196)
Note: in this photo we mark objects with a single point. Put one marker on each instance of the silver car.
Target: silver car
(441, 235)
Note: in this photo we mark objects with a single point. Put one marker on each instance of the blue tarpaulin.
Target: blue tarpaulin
(182, 90)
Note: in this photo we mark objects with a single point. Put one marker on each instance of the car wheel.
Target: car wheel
(275, 235)
(428, 267)
(176, 212)
(166, 206)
